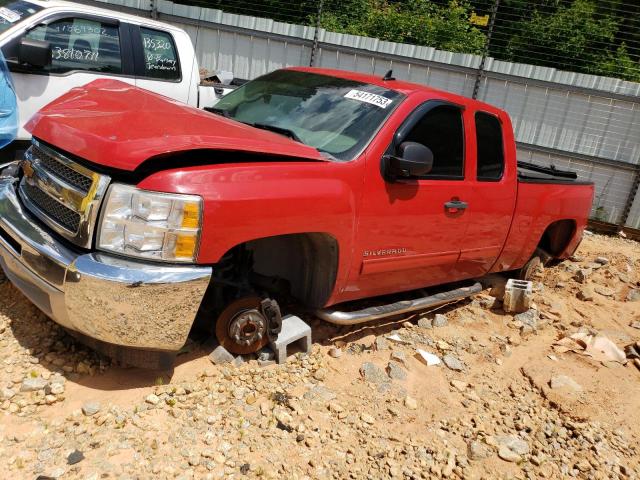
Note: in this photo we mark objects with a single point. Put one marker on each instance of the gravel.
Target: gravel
(324, 417)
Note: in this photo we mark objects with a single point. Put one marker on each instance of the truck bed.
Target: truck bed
(532, 173)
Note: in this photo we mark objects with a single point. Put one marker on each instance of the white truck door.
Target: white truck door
(164, 63)
(84, 48)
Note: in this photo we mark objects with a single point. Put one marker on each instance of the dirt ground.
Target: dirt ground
(504, 403)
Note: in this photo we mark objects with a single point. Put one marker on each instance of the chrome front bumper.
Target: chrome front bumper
(105, 298)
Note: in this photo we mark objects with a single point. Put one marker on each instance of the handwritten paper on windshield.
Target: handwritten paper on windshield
(372, 98)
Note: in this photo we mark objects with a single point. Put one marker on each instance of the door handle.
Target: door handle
(455, 205)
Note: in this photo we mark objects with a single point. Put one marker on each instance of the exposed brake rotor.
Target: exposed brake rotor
(242, 327)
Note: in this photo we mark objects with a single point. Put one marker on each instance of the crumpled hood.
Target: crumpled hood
(117, 125)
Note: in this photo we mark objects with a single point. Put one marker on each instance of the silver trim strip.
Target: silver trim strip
(338, 317)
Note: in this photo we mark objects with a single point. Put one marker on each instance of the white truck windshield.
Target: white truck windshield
(14, 11)
(335, 115)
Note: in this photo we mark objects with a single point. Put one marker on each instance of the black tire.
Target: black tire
(539, 259)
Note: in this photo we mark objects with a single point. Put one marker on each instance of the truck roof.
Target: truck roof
(135, 19)
(406, 88)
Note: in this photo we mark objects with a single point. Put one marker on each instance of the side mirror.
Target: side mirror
(34, 52)
(413, 160)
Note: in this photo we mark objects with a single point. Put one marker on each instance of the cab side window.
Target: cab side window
(441, 129)
(490, 149)
(160, 56)
(81, 44)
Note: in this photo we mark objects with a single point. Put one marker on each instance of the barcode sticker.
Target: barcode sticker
(9, 15)
(372, 98)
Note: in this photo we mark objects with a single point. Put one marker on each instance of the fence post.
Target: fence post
(314, 48)
(485, 52)
(154, 9)
(631, 199)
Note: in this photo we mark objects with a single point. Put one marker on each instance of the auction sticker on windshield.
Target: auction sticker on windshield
(9, 15)
(372, 98)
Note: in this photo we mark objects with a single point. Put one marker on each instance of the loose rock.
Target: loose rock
(372, 373)
(478, 450)
(395, 371)
(220, 356)
(563, 381)
(33, 384)
(425, 323)
(453, 363)
(90, 408)
(440, 320)
(410, 402)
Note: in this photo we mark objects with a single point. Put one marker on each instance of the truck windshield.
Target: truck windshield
(335, 115)
(14, 11)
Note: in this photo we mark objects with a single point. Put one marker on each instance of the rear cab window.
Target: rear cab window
(160, 55)
(490, 147)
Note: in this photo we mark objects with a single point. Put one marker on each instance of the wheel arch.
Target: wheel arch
(308, 261)
(557, 236)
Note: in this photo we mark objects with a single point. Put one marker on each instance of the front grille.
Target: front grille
(66, 196)
(60, 214)
(60, 170)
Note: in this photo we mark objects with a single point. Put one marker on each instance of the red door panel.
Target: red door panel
(493, 192)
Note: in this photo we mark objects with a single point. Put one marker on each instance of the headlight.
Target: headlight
(159, 226)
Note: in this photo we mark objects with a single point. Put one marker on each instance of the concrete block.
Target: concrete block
(220, 356)
(293, 330)
(517, 296)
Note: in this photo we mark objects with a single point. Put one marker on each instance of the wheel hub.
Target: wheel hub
(241, 328)
(247, 327)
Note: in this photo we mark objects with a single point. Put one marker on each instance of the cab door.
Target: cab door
(411, 230)
(494, 185)
(158, 65)
(83, 48)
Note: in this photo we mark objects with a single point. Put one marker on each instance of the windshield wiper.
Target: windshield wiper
(217, 111)
(274, 128)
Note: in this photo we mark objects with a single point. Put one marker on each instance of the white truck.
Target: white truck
(51, 46)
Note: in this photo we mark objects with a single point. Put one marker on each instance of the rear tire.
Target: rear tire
(534, 267)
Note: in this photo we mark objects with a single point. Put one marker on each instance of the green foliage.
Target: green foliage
(597, 37)
(573, 37)
(618, 65)
(417, 22)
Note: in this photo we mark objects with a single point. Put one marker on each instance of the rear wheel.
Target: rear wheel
(241, 328)
(535, 266)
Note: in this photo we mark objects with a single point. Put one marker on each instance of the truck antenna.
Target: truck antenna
(388, 76)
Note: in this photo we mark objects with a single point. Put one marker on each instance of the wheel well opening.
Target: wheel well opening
(307, 262)
(557, 236)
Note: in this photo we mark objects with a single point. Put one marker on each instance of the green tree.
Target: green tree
(574, 37)
(419, 22)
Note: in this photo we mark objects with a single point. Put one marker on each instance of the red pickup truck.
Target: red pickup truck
(132, 216)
